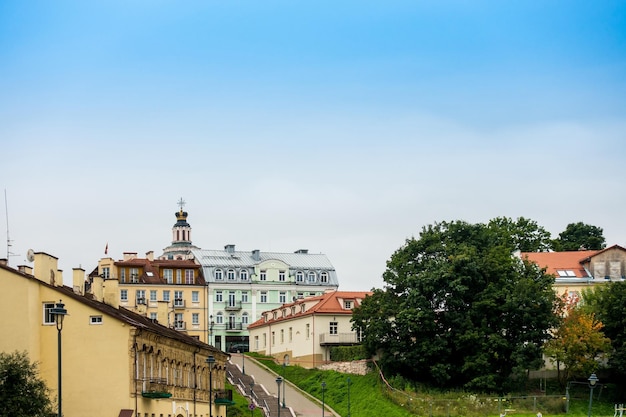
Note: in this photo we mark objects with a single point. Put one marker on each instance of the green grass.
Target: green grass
(369, 397)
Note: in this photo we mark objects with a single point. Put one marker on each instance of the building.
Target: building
(170, 290)
(242, 285)
(303, 331)
(575, 271)
(115, 362)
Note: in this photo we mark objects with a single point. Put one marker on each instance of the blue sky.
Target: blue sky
(341, 127)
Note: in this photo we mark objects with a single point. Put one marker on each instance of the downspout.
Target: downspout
(313, 339)
(195, 379)
(135, 367)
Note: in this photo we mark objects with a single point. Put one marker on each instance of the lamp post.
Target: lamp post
(243, 357)
(279, 380)
(210, 361)
(285, 384)
(593, 379)
(323, 389)
(211, 324)
(349, 381)
(59, 313)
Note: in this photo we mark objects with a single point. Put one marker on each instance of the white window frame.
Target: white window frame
(219, 296)
(263, 275)
(97, 320)
(299, 276)
(219, 275)
(281, 276)
(310, 276)
(195, 319)
(324, 277)
(168, 275)
(189, 277)
(153, 296)
(230, 274)
(195, 296)
(48, 317)
(243, 274)
(263, 297)
(282, 297)
(124, 296)
(166, 295)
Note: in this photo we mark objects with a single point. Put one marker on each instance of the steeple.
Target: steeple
(181, 236)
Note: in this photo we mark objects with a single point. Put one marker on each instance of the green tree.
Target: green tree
(607, 302)
(459, 310)
(525, 234)
(22, 392)
(577, 341)
(580, 235)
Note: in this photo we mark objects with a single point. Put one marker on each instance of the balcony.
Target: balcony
(179, 303)
(232, 306)
(339, 339)
(155, 388)
(224, 397)
(179, 325)
(234, 327)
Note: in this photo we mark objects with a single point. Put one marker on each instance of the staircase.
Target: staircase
(255, 393)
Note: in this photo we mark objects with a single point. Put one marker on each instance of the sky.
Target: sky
(341, 127)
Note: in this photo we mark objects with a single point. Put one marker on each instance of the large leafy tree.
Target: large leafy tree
(607, 302)
(22, 392)
(459, 310)
(580, 235)
(578, 341)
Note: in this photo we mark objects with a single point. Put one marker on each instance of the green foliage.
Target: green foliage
(240, 409)
(348, 353)
(580, 235)
(459, 310)
(607, 302)
(22, 392)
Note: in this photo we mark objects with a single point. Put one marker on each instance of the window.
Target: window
(256, 342)
(264, 296)
(48, 318)
(230, 274)
(178, 299)
(153, 316)
(167, 275)
(95, 319)
(347, 304)
(273, 338)
(244, 319)
(195, 296)
(219, 275)
(243, 274)
(123, 296)
(282, 336)
(290, 334)
(263, 275)
(308, 331)
(122, 275)
(189, 276)
(219, 297)
(140, 296)
(333, 327)
(153, 296)
(195, 319)
(282, 297)
(281, 276)
(244, 296)
(299, 276)
(310, 277)
(219, 318)
(324, 277)
(106, 272)
(134, 275)
(264, 339)
(179, 324)
(166, 295)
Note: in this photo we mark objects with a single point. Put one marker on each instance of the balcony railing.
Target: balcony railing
(233, 327)
(339, 339)
(232, 305)
(155, 388)
(179, 325)
(179, 303)
(224, 396)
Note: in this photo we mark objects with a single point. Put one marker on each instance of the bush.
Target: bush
(347, 353)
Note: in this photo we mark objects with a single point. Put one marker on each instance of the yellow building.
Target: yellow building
(115, 362)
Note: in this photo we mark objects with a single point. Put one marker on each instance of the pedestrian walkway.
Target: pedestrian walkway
(242, 372)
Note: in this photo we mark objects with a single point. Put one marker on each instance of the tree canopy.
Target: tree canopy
(580, 235)
(22, 392)
(459, 310)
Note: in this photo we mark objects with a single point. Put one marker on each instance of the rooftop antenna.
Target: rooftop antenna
(6, 210)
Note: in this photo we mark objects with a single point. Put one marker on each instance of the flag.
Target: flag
(106, 248)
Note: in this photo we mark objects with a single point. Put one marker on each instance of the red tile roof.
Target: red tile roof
(561, 261)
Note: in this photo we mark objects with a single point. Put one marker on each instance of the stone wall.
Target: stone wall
(354, 367)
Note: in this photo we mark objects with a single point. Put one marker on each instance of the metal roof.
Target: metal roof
(241, 259)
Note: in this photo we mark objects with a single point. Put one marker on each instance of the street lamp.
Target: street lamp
(211, 324)
(593, 379)
(349, 383)
(243, 357)
(59, 313)
(323, 389)
(210, 361)
(285, 384)
(279, 380)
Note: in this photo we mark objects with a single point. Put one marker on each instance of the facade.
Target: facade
(575, 271)
(170, 290)
(242, 285)
(114, 362)
(302, 332)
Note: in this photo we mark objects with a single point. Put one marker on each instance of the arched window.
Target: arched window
(324, 277)
(299, 276)
(311, 276)
(243, 274)
(219, 275)
(231, 274)
(219, 318)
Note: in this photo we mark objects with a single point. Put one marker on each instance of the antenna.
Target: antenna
(6, 210)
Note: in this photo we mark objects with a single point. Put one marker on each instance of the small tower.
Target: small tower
(181, 237)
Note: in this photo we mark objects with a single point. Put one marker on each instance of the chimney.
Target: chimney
(4, 261)
(110, 292)
(150, 255)
(97, 288)
(162, 313)
(46, 269)
(78, 280)
(229, 248)
(303, 251)
(256, 255)
(130, 255)
(25, 269)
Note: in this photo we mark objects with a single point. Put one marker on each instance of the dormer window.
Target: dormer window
(299, 276)
(231, 274)
(275, 314)
(219, 275)
(347, 304)
(311, 276)
(243, 274)
(324, 277)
